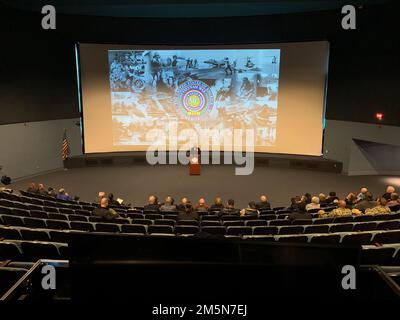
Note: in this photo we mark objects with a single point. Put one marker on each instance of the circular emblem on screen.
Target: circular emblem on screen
(194, 99)
(139, 84)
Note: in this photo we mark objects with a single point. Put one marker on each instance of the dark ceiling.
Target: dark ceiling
(183, 8)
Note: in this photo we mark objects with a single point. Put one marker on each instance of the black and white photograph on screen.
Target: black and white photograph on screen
(199, 89)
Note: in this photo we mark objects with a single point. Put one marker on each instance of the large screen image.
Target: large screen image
(199, 89)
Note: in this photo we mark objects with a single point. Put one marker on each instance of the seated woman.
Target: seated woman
(251, 210)
(381, 208)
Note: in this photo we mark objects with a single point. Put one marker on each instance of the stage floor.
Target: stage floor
(135, 182)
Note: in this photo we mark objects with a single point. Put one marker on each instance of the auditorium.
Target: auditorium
(199, 158)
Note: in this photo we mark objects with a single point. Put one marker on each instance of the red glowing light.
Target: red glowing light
(379, 116)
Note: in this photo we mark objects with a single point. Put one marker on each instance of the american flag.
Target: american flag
(65, 147)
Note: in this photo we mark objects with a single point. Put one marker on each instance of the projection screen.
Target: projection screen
(276, 90)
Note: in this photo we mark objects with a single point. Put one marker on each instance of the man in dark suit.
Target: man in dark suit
(263, 204)
(104, 211)
(152, 205)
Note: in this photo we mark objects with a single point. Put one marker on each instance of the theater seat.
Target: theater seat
(5, 210)
(107, 227)
(254, 223)
(233, 223)
(378, 256)
(239, 231)
(220, 230)
(322, 228)
(387, 237)
(57, 224)
(230, 217)
(366, 226)
(323, 220)
(59, 236)
(280, 222)
(77, 217)
(9, 251)
(388, 225)
(39, 214)
(83, 226)
(132, 228)
(34, 251)
(165, 222)
(35, 223)
(344, 219)
(357, 239)
(9, 233)
(38, 235)
(258, 231)
(142, 221)
(186, 229)
(160, 229)
(210, 223)
(291, 230)
(188, 223)
(345, 227)
(13, 221)
(57, 216)
(301, 239)
(20, 212)
(328, 239)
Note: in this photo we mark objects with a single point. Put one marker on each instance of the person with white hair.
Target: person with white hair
(314, 204)
(388, 194)
(362, 195)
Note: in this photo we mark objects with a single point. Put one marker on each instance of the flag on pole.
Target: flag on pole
(65, 146)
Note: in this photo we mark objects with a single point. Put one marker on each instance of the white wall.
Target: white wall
(30, 148)
(339, 144)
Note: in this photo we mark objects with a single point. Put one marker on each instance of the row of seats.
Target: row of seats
(43, 232)
(17, 250)
(25, 250)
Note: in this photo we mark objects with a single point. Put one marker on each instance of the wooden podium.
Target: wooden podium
(194, 162)
(194, 169)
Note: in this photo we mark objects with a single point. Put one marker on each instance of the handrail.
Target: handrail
(9, 294)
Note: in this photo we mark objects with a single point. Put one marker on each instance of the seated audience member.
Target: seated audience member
(389, 190)
(394, 200)
(62, 195)
(304, 201)
(332, 197)
(217, 206)
(263, 204)
(230, 208)
(186, 211)
(100, 196)
(104, 210)
(322, 199)
(341, 210)
(184, 205)
(351, 200)
(367, 203)
(41, 190)
(201, 206)
(51, 192)
(362, 195)
(112, 201)
(314, 204)
(251, 210)
(32, 188)
(168, 205)
(295, 204)
(152, 204)
(381, 208)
